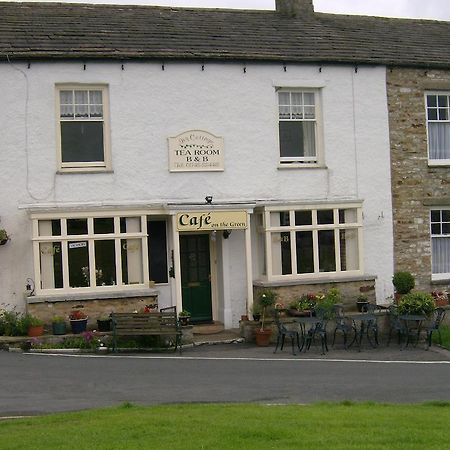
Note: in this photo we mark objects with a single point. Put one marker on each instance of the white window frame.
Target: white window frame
(303, 161)
(92, 166)
(436, 162)
(315, 228)
(440, 275)
(90, 238)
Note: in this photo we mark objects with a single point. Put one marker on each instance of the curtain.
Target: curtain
(309, 139)
(439, 140)
(441, 255)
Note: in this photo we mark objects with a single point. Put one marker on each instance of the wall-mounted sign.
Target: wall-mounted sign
(194, 151)
(212, 220)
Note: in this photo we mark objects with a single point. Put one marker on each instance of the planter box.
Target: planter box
(78, 326)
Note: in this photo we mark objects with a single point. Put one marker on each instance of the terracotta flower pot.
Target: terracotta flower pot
(263, 337)
(35, 331)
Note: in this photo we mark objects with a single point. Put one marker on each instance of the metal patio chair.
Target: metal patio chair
(344, 325)
(283, 332)
(395, 325)
(436, 321)
(318, 329)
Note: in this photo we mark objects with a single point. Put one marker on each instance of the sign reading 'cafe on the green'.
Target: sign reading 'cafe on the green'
(212, 220)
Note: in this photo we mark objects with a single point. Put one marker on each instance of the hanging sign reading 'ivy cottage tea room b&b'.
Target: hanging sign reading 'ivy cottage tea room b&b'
(194, 151)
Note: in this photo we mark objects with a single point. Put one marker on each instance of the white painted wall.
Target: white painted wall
(147, 105)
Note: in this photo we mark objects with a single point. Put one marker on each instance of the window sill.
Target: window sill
(314, 280)
(83, 170)
(301, 166)
(441, 281)
(80, 296)
(437, 163)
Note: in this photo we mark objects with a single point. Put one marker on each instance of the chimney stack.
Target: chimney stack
(294, 8)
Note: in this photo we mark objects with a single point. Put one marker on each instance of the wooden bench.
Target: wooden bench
(162, 323)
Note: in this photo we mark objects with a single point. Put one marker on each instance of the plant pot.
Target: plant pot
(78, 326)
(360, 305)
(35, 331)
(296, 313)
(263, 337)
(104, 325)
(184, 321)
(441, 302)
(59, 328)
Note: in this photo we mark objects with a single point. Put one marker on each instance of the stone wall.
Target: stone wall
(415, 186)
(350, 290)
(94, 309)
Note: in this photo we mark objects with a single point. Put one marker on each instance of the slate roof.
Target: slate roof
(60, 30)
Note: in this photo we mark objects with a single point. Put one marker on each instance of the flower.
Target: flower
(440, 294)
(77, 315)
(279, 305)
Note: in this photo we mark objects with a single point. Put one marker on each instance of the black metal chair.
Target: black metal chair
(395, 325)
(344, 325)
(283, 332)
(318, 328)
(371, 325)
(438, 317)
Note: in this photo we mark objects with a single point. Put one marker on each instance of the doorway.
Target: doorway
(196, 276)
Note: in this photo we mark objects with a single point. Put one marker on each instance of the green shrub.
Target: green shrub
(403, 282)
(420, 303)
(13, 323)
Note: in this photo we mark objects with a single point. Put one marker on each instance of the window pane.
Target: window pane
(77, 226)
(435, 216)
(81, 111)
(130, 224)
(305, 254)
(443, 114)
(132, 269)
(297, 98)
(441, 255)
(325, 216)
(432, 114)
(431, 100)
(446, 215)
(348, 215)
(348, 242)
(50, 257)
(327, 259)
(103, 225)
(78, 264)
(436, 228)
(446, 228)
(49, 227)
(157, 251)
(82, 141)
(281, 254)
(442, 100)
(279, 219)
(303, 218)
(105, 263)
(284, 98)
(309, 98)
(81, 97)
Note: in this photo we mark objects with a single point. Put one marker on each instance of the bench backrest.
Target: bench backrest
(145, 321)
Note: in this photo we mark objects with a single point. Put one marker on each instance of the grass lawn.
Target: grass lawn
(237, 426)
(445, 334)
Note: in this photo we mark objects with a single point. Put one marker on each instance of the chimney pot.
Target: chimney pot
(294, 8)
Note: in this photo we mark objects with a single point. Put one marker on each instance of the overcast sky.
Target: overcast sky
(427, 9)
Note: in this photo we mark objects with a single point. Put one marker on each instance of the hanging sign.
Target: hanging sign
(212, 220)
(196, 151)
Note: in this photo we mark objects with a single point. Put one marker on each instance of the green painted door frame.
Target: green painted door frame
(196, 276)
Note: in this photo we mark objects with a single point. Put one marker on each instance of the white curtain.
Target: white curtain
(439, 140)
(309, 139)
(441, 254)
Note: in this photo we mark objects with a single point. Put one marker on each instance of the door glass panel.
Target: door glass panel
(51, 265)
(305, 253)
(78, 264)
(105, 263)
(132, 269)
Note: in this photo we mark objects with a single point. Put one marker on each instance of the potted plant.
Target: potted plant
(325, 302)
(416, 303)
(78, 321)
(266, 299)
(440, 297)
(403, 283)
(104, 323)
(58, 325)
(302, 306)
(184, 317)
(361, 301)
(4, 238)
(35, 326)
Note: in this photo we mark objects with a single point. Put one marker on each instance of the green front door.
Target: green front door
(196, 276)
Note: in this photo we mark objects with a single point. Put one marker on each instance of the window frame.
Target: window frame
(432, 161)
(90, 237)
(302, 161)
(315, 228)
(439, 275)
(82, 166)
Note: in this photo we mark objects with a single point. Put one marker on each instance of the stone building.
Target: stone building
(193, 156)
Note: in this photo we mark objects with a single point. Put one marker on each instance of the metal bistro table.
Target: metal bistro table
(413, 326)
(367, 323)
(317, 325)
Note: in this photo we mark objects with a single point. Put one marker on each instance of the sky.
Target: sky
(426, 9)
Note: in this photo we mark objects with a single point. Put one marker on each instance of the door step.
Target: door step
(208, 328)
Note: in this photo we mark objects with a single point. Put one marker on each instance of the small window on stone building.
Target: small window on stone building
(438, 127)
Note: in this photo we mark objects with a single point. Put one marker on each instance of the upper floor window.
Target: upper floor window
(83, 127)
(440, 243)
(297, 112)
(438, 124)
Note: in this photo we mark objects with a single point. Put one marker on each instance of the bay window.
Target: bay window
(306, 242)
